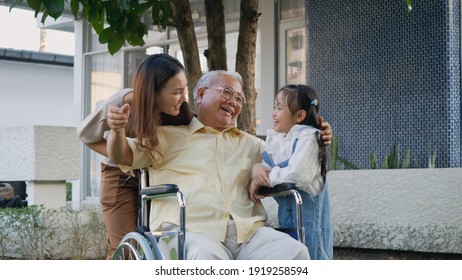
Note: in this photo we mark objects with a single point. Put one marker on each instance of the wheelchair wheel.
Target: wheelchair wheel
(134, 246)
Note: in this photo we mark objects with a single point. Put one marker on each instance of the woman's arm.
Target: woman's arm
(99, 147)
(92, 129)
(118, 148)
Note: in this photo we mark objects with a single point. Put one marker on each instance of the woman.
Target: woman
(160, 89)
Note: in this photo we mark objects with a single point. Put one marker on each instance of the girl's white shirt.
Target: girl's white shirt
(304, 166)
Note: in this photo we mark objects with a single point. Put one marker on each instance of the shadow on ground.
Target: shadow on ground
(370, 254)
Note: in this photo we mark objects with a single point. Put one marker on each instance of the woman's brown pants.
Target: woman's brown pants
(119, 204)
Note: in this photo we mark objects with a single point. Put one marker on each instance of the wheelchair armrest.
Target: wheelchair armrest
(160, 190)
(279, 189)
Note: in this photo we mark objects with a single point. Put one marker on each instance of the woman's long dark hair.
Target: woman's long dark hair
(303, 97)
(151, 77)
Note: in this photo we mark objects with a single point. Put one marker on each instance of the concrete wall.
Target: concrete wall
(388, 77)
(44, 153)
(43, 156)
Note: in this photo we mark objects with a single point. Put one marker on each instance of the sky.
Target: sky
(19, 30)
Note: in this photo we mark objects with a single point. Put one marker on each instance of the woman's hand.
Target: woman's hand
(326, 131)
(117, 118)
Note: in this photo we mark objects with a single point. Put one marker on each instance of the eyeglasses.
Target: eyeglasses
(228, 93)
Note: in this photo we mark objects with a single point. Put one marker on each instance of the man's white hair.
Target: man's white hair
(210, 76)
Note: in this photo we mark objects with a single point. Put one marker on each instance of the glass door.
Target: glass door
(292, 52)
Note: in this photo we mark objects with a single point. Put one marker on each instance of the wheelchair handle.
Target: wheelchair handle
(276, 190)
(160, 189)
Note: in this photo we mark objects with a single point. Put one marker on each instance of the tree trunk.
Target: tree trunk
(245, 62)
(187, 37)
(216, 34)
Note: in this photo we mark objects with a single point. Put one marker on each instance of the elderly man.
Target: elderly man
(210, 160)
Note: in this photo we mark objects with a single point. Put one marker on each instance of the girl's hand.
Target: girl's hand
(260, 175)
(117, 118)
(253, 192)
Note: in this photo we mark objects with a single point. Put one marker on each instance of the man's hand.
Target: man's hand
(253, 192)
(117, 118)
(326, 131)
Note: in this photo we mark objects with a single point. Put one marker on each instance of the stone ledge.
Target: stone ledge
(400, 209)
(416, 210)
(425, 238)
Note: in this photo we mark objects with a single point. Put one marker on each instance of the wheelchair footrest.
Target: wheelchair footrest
(164, 233)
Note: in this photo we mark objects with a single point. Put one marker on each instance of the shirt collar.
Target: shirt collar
(195, 125)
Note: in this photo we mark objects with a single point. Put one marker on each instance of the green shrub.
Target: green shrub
(68, 191)
(432, 159)
(29, 231)
(334, 157)
(393, 160)
(37, 233)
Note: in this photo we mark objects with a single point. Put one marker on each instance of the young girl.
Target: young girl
(295, 153)
(159, 91)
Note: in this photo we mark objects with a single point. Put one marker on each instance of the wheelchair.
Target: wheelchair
(285, 189)
(143, 244)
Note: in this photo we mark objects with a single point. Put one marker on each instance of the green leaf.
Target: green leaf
(392, 158)
(55, 8)
(98, 22)
(44, 17)
(93, 11)
(141, 8)
(409, 6)
(334, 152)
(407, 159)
(135, 41)
(115, 44)
(133, 21)
(135, 35)
(167, 12)
(124, 4)
(385, 162)
(416, 162)
(105, 35)
(35, 5)
(135, 30)
(14, 4)
(75, 7)
(432, 160)
(166, 7)
(155, 12)
(347, 163)
(373, 161)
